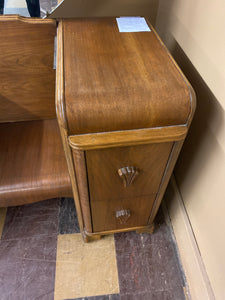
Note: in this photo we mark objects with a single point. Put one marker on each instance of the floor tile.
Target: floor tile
(27, 268)
(44, 207)
(40, 248)
(102, 297)
(68, 222)
(85, 269)
(31, 220)
(3, 211)
(27, 279)
(148, 266)
(163, 295)
(28, 252)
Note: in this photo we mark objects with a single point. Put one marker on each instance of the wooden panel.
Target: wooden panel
(166, 177)
(27, 85)
(107, 190)
(32, 163)
(119, 81)
(61, 117)
(127, 138)
(81, 176)
(104, 214)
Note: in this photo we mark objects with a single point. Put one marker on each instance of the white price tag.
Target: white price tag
(132, 24)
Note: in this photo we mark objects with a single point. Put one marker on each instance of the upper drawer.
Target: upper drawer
(126, 172)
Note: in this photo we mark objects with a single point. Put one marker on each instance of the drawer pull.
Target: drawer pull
(123, 215)
(128, 175)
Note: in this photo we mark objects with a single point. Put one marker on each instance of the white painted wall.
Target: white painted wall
(193, 31)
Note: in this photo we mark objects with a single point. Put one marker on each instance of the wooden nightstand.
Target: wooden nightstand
(124, 109)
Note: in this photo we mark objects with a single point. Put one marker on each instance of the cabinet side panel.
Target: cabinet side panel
(80, 169)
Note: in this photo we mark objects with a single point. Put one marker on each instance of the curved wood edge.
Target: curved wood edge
(60, 112)
(82, 184)
(26, 19)
(178, 144)
(166, 177)
(59, 87)
(91, 236)
(190, 88)
(127, 138)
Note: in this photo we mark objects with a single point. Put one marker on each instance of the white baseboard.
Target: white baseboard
(190, 256)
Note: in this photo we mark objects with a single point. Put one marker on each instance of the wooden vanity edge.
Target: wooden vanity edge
(127, 137)
(62, 121)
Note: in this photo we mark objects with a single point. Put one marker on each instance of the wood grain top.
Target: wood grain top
(119, 81)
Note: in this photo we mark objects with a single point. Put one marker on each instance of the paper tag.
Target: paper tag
(132, 24)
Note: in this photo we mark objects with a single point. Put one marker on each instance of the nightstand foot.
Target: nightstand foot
(147, 229)
(90, 238)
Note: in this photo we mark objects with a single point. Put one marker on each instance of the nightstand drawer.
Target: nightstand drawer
(104, 166)
(124, 179)
(120, 213)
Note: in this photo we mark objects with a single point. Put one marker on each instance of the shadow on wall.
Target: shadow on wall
(209, 115)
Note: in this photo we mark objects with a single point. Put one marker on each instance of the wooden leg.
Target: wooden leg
(90, 238)
(147, 229)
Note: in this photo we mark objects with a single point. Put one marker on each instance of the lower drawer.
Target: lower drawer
(121, 213)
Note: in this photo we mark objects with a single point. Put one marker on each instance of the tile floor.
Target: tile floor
(42, 256)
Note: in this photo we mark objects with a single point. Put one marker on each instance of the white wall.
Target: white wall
(193, 31)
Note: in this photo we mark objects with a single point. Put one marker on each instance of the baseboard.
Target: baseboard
(190, 256)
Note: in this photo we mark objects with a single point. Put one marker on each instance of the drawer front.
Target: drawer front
(121, 213)
(123, 183)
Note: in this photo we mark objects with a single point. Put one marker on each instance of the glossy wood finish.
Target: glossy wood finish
(127, 138)
(107, 192)
(27, 82)
(81, 176)
(118, 92)
(138, 229)
(61, 117)
(119, 81)
(166, 177)
(103, 165)
(32, 163)
(32, 160)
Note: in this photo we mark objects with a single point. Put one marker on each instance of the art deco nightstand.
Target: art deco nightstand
(124, 109)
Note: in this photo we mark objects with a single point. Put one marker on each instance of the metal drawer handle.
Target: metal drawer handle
(123, 215)
(128, 175)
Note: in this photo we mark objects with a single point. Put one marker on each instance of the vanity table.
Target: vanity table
(124, 109)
